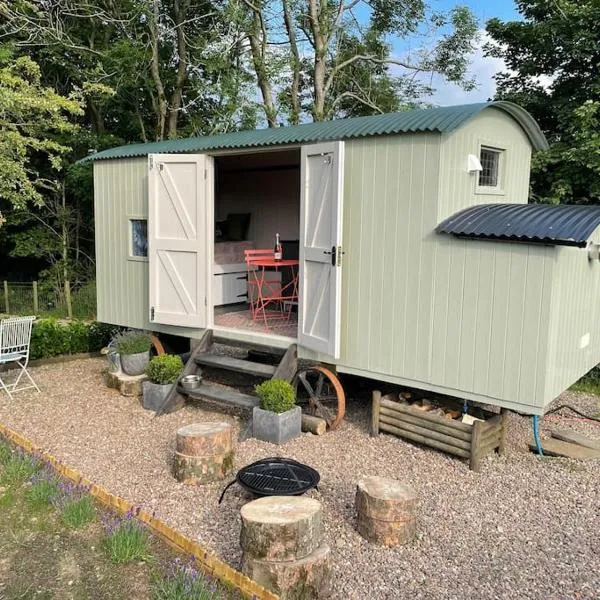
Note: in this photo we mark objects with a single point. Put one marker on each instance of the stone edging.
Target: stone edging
(207, 561)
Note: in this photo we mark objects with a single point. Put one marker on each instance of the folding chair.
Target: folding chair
(15, 335)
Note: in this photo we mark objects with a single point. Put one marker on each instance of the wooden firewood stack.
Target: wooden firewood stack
(204, 453)
(386, 511)
(283, 547)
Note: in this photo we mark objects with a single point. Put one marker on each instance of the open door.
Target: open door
(319, 306)
(178, 251)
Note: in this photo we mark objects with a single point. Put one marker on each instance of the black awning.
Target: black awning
(560, 224)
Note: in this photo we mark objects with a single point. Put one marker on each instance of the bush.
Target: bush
(19, 468)
(183, 581)
(78, 512)
(43, 490)
(164, 368)
(132, 343)
(276, 395)
(50, 337)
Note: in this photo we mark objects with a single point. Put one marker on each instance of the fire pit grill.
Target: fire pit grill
(276, 477)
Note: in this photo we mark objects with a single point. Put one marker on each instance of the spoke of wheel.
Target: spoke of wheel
(320, 382)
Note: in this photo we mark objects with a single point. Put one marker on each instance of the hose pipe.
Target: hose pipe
(536, 435)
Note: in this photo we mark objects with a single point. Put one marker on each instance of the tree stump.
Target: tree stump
(128, 385)
(301, 579)
(386, 511)
(283, 549)
(204, 453)
(281, 527)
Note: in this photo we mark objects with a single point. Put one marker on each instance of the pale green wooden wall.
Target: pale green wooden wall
(575, 314)
(495, 128)
(121, 193)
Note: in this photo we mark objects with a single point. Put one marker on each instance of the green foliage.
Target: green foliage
(164, 369)
(32, 118)
(551, 56)
(50, 337)
(19, 468)
(127, 541)
(132, 343)
(78, 512)
(5, 453)
(276, 395)
(42, 492)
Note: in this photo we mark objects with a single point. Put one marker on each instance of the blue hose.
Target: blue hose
(536, 435)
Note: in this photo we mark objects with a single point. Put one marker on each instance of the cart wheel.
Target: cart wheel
(158, 347)
(320, 393)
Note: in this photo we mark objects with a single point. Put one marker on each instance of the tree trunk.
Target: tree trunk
(295, 64)
(180, 8)
(161, 104)
(316, 13)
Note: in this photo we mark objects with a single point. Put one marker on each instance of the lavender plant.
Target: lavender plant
(43, 489)
(5, 453)
(182, 581)
(125, 539)
(19, 467)
(75, 505)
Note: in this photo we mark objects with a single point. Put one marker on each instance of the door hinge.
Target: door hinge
(151, 162)
(338, 256)
(152, 314)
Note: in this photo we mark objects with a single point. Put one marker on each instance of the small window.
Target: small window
(139, 237)
(490, 164)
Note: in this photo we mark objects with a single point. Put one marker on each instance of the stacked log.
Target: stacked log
(386, 511)
(204, 453)
(283, 547)
(439, 427)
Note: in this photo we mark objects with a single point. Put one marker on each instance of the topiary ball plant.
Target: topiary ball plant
(276, 395)
(164, 369)
(132, 343)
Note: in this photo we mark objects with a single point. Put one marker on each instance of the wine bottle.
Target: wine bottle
(277, 250)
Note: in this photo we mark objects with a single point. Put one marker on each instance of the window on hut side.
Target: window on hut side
(490, 163)
(139, 237)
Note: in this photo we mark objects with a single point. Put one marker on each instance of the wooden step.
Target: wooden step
(576, 438)
(553, 447)
(221, 394)
(220, 361)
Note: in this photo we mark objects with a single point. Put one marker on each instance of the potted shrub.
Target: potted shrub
(162, 372)
(134, 352)
(277, 419)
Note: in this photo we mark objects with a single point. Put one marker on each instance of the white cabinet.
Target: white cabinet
(230, 284)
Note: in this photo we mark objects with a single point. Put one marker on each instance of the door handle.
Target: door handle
(333, 254)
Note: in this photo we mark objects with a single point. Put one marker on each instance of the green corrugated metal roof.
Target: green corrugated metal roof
(441, 120)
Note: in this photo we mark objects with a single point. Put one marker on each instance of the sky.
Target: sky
(483, 69)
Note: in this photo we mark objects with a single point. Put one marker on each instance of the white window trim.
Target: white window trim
(130, 256)
(489, 190)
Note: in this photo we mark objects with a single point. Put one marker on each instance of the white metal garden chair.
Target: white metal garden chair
(15, 336)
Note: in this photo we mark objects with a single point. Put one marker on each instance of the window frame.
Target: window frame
(498, 189)
(130, 255)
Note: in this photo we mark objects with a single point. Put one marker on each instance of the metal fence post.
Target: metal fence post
(68, 299)
(36, 305)
(6, 303)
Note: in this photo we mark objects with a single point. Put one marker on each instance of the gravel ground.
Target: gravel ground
(524, 527)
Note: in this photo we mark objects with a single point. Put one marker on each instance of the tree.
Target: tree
(33, 118)
(552, 58)
(333, 57)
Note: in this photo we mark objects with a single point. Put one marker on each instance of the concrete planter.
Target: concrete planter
(154, 394)
(135, 364)
(276, 428)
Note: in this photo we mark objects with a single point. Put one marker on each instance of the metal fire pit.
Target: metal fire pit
(276, 477)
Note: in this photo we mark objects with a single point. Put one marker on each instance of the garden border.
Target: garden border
(207, 561)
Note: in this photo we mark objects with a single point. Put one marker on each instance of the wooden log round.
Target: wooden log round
(281, 528)
(315, 425)
(386, 511)
(302, 579)
(204, 439)
(204, 453)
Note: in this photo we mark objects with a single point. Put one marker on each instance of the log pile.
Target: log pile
(386, 511)
(432, 424)
(283, 547)
(204, 453)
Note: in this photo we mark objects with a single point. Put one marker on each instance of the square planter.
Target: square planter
(154, 394)
(276, 428)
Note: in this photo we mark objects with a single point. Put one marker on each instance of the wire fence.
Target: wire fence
(18, 298)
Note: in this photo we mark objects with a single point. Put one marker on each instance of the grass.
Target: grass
(589, 386)
(78, 513)
(126, 541)
(52, 545)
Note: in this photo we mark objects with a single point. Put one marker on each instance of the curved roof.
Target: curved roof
(440, 119)
(561, 224)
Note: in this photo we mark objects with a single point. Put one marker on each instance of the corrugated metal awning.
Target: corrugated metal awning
(560, 224)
